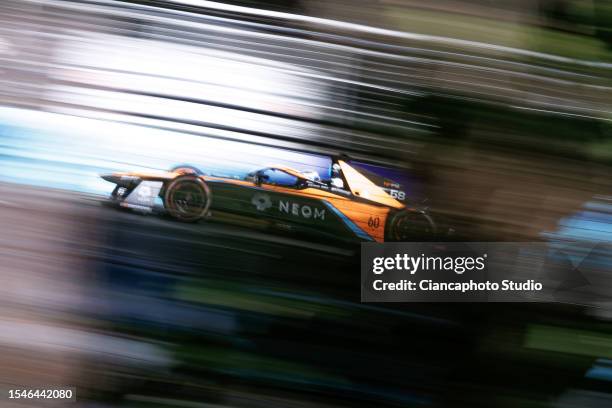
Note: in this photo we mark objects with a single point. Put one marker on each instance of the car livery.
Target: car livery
(349, 206)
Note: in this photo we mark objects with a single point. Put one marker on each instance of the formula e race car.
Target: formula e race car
(348, 206)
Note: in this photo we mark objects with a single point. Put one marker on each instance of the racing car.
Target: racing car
(349, 205)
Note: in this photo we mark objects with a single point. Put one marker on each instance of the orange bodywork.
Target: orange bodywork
(362, 187)
(369, 217)
(369, 212)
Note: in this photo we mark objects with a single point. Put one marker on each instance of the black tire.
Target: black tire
(410, 226)
(187, 198)
(186, 169)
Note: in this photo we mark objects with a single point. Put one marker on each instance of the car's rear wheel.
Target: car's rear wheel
(187, 198)
(406, 226)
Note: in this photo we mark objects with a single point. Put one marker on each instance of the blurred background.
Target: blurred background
(498, 113)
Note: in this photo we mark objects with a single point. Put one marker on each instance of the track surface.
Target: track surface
(62, 234)
(283, 313)
(268, 295)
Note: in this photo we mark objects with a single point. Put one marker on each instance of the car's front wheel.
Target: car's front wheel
(186, 169)
(410, 225)
(187, 198)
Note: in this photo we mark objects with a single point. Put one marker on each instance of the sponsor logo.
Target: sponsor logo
(261, 201)
(391, 184)
(144, 194)
(298, 210)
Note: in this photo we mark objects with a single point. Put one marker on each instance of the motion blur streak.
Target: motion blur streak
(493, 116)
